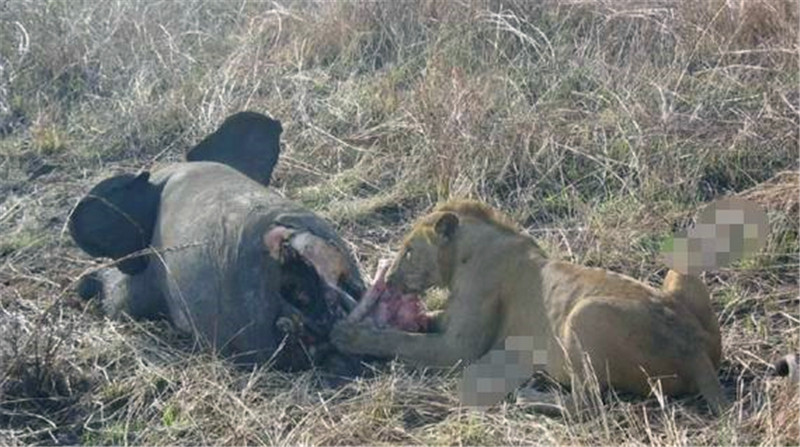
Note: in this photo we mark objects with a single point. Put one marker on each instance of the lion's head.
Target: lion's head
(424, 258)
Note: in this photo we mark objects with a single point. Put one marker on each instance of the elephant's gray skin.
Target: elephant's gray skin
(224, 257)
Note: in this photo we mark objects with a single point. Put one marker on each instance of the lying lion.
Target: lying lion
(508, 299)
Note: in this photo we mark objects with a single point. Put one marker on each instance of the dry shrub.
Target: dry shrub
(778, 413)
(778, 194)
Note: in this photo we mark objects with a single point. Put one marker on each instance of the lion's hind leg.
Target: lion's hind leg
(630, 343)
(549, 402)
(602, 341)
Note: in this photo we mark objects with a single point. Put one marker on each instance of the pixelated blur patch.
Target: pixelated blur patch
(502, 370)
(726, 231)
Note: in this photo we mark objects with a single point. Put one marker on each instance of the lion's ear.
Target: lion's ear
(446, 225)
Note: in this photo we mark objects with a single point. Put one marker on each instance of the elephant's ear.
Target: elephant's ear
(141, 180)
(246, 141)
(116, 218)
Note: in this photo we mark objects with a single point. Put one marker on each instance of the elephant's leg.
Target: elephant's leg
(119, 293)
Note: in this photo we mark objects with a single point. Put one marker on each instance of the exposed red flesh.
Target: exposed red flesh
(404, 312)
(386, 307)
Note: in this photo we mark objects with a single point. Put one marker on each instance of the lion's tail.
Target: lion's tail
(689, 289)
(705, 377)
(692, 292)
(727, 230)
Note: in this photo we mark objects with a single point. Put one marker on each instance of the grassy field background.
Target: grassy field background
(600, 126)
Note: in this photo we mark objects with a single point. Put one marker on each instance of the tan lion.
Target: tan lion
(505, 295)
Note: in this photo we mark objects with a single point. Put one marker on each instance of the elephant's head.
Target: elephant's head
(116, 218)
(246, 141)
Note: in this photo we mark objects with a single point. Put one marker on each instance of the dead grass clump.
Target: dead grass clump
(40, 387)
(779, 413)
(778, 194)
(750, 33)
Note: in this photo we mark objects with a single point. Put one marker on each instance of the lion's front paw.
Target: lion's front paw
(351, 338)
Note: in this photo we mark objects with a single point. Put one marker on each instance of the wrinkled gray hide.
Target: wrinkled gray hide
(208, 270)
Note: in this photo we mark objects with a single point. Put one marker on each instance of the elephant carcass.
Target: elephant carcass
(223, 257)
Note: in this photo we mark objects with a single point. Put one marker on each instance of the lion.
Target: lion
(505, 295)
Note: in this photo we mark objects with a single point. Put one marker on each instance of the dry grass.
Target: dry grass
(600, 126)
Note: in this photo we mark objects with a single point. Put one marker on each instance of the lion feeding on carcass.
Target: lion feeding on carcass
(506, 296)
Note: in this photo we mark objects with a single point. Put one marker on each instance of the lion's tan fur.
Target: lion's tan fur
(501, 284)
